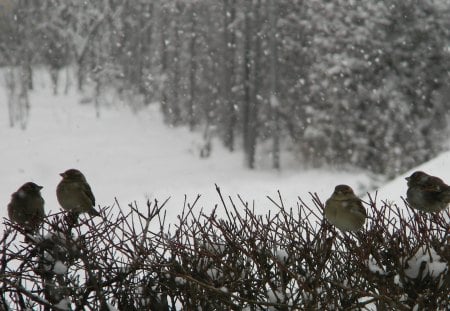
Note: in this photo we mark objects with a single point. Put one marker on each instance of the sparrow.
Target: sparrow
(427, 193)
(345, 210)
(27, 207)
(74, 193)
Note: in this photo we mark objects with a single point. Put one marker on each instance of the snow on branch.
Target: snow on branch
(229, 259)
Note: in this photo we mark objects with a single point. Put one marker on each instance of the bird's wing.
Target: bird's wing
(431, 188)
(87, 190)
(433, 184)
(358, 207)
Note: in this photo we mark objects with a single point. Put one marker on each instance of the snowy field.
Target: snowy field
(135, 157)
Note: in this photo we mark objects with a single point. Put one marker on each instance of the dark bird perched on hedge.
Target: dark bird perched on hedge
(345, 210)
(27, 207)
(427, 193)
(74, 193)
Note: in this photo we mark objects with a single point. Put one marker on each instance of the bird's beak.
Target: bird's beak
(62, 175)
(40, 187)
(407, 178)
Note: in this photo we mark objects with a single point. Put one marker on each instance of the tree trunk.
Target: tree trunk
(274, 101)
(176, 81)
(193, 70)
(80, 76)
(11, 92)
(229, 15)
(251, 82)
(54, 72)
(256, 83)
(247, 78)
(28, 71)
(147, 88)
(164, 24)
(67, 84)
(23, 99)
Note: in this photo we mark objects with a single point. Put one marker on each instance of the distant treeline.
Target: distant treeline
(335, 82)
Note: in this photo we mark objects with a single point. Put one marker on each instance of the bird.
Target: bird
(27, 207)
(74, 193)
(345, 210)
(427, 193)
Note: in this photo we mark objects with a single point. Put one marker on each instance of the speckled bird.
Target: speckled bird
(27, 207)
(74, 193)
(427, 193)
(345, 210)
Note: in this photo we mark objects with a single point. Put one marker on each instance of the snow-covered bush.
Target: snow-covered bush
(289, 259)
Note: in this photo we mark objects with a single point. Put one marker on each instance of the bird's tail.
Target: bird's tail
(445, 195)
(93, 212)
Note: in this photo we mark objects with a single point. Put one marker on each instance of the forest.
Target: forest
(341, 83)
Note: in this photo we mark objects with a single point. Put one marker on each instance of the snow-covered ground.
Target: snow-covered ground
(135, 157)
